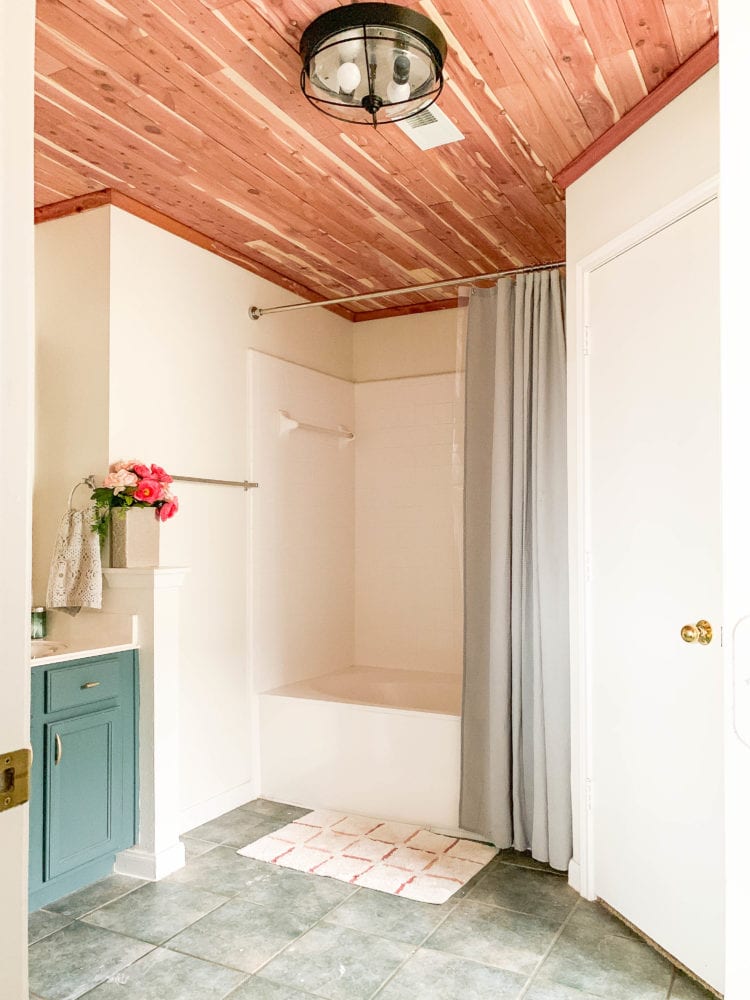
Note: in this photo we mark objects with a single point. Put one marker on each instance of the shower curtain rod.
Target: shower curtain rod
(255, 312)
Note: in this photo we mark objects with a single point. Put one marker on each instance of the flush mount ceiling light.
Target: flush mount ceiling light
(372, 63)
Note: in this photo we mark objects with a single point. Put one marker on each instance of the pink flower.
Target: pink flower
(143, 471)
(169, 509)
(118, 480)
(129, 465)
(159, 474)
(148, 491)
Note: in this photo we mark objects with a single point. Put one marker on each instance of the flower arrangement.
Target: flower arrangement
(133, 484)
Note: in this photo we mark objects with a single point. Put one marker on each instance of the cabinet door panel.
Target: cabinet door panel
(84, 789)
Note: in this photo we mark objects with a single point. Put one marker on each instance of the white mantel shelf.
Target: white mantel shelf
(157, 577)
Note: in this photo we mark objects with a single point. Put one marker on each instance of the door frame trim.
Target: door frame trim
(582, 869)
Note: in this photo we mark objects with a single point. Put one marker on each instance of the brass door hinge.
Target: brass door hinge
(15, 771)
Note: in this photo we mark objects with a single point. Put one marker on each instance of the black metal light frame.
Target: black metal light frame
(360, 17)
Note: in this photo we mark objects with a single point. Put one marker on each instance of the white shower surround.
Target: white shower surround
(356, 559)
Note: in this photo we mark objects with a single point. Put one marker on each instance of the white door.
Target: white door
(16, 375)
(653, 425)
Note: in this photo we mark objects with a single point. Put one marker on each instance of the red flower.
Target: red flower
(148, 491)
(159, 474)
(168, 509)
(142, 471)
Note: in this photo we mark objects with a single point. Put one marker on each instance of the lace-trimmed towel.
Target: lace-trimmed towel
(75, 575)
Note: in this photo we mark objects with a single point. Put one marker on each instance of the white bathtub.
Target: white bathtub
(366, 740)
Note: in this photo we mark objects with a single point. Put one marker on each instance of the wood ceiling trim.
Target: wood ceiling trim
(686, 74)
(361, 317)
(72, 206)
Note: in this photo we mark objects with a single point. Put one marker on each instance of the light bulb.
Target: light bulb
(398, 92)
(348, 77)
(350, 49)
(401, 68)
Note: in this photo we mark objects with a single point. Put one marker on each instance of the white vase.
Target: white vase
(135, 537)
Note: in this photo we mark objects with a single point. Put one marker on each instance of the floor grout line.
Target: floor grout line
(85, 913)
(545, 956)
(288, 944)
(421, 945)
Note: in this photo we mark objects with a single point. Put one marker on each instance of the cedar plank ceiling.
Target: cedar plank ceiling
(193, 108)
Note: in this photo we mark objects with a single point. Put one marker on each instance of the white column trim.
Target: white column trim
(153, 595)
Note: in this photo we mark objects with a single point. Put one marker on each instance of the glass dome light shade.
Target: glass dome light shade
(398, 53)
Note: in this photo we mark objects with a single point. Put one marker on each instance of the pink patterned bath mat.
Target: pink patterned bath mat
(391, 857)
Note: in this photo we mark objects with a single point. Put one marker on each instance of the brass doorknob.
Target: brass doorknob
(701, 632)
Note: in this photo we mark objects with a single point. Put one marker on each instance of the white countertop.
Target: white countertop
(75, 651)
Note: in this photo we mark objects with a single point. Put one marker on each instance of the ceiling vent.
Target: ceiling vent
(430, 128)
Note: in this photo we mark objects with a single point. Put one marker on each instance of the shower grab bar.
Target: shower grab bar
(292, 424)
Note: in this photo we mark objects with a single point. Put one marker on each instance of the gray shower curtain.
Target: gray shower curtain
(515, 787)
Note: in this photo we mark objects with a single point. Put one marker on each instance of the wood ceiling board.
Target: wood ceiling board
(578, 69)
(496, 69)
(651, 38)
(691, 23)
(605, 32)
(573, 116)
(504, 64)
(193, 106)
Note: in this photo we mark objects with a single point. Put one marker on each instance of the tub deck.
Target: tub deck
(409, 690)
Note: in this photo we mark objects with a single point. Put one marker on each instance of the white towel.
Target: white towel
(75, 576)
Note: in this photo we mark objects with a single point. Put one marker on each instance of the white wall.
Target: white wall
(16, 431)
(670, 155)
(422, 344)
(409, 517)
(72, 364)
(302, 541)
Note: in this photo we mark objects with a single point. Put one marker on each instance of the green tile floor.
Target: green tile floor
(234, 928)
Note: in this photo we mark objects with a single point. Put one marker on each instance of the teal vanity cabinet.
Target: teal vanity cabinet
(84, 794)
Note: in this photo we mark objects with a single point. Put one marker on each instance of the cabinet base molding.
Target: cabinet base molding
(150, 866)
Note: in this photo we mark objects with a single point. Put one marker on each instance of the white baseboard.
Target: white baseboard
(203, 812)
(574, 876)
(143, 864)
